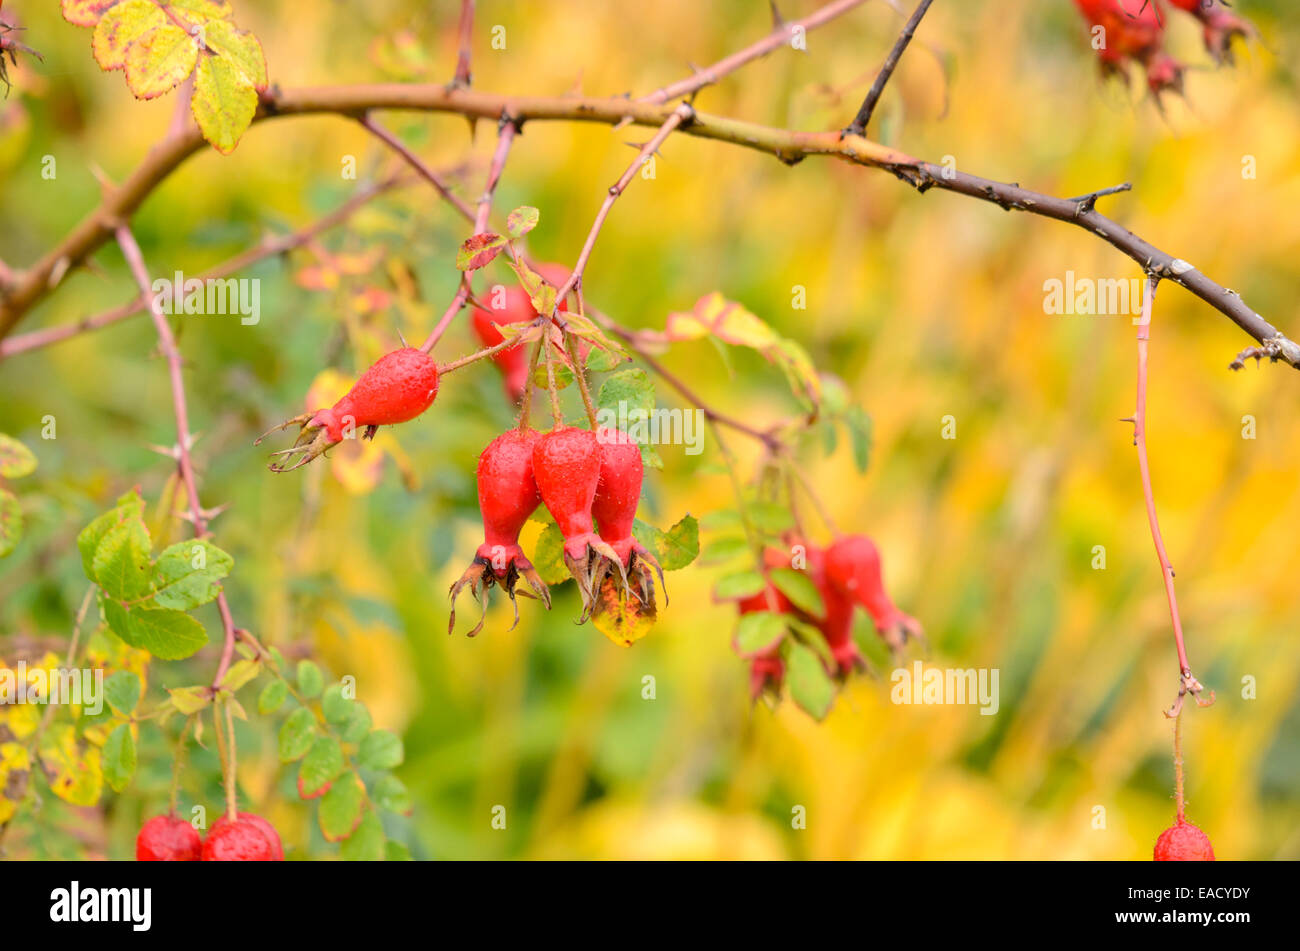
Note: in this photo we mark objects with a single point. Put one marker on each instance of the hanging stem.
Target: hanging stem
(526, 405)
(1179, 804)
(580, 372)
(232, 805)
(177, 762)
(550, 381)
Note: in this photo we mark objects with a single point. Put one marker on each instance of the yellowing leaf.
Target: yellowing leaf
(85, 12)
(16, 460)
(242, 51)
(159, 60)
(726, 320)
(121, 26)
(223, 103)
(620, 614)
(74, 770)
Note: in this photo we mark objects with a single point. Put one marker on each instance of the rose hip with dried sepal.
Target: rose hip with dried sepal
(566, 465)
(397, 388)
(618, 492)
(507, 495)
(853, 571)
(1219, 26)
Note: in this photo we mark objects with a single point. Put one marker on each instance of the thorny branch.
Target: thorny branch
(31, 286)
(859, 124)
(167, 341)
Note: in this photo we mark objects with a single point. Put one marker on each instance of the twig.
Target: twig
(429, 175)
(167, 341)
(20, 343)
(505, 137)
(1188, 683)
(779, 36)
(1180, 804)
(859, 124)
(682, 114)
(466, 34)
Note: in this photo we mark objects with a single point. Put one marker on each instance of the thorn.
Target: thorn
(778, 21)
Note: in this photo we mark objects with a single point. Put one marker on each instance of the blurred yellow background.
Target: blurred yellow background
(927, 306)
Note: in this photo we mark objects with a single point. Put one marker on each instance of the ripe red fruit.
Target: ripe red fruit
(398, 387)
(618, 491)
(853, 571)
(168, 839)
(507, 495)
(1183, 842)
(513, 361)
(248, 838)
(1134, 31)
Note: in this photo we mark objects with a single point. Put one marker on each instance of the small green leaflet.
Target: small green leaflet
(757, 632)
(186, 574)
(310, 680)
(11, 522)
(381, 750)
(340, 809)
(323, 762)
(296, 735)
(799, 588)
(810, 685)
(118, 757)
(16, 460)
(522, 220)
(366, 844)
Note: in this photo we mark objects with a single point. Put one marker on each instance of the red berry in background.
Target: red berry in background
(1135, 31)
(836, 624)
(513, 361)
(248, 838)
(853, 570)
(766, 673)
(1183, 842)
(397, 388)
(168, 839)
(1220, 26)
(507, 495)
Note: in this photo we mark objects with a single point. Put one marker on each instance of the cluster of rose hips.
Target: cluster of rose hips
(246, 838)
(1135, 30)
(589, 481)
(847, 575)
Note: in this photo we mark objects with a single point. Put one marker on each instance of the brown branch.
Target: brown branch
(167, 341)
(428, 174)
(779, 36)
(789, 146)
(859, 124)
(20, 343)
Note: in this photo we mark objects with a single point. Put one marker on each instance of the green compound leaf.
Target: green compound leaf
(310, 680)
(340, 808)
(122, 691)
(272, 697)
(297, 735)
(121, 562)
(323, 762)
(366, 844)
(381, 750)
(186, 574)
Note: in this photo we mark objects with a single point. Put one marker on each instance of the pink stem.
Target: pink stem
(466, 33)
(167, 341)
(504, 140)
(779, 36)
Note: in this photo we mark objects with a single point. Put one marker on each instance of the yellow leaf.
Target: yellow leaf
(241, 50)
(120, 27)
(223, 103)
(74, 771)
(726, 320)
(159, 60)
(85, 12)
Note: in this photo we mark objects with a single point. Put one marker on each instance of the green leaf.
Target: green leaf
(603, 361)
(381, 750)
(859, 424)
(355, 728)
(548, 555)
(625, 397)
(563, 375)
(118, 757)
(190, 700)
(771, 517)
(272, 697)
(757, 632)
(522, 220)
(391, 795)
(340, 809)
(11, 522)
(223, 103)
(680, 545)
(800, 589)
(724, 549)
(122, 691)
(585, 328)
(740, 584)
(16, 460)
(337, 708)
(128, 506)
(186, 574)
(810, 686)
(310, 680)
(121, 562)
(296, 735)
(323, 762)
(167, 634)
(396, 852)
(366, 844)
